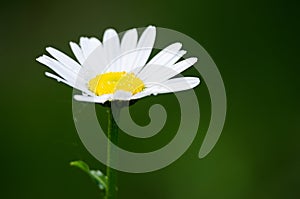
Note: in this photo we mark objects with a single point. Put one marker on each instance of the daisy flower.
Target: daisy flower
(118, 69)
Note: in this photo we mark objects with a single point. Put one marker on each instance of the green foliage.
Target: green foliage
(99, 178)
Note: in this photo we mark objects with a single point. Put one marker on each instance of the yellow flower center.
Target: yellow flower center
(110, 82)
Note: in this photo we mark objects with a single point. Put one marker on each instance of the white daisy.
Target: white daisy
(118, 70)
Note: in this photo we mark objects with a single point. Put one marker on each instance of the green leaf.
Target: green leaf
(96, 175)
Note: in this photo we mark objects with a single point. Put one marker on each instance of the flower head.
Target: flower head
(117, 69)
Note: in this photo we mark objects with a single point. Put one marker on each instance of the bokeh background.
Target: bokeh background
(255, 45)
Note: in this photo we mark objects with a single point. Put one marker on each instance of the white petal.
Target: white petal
(129, 40)
(95, 63)
(111, 44)
(185, 64)
(176, 58)
(60, 69)
(79, 86)
(165, 55)
(122, 95)
(128, 44)
(170, 86)
(142, 94)
(175, 85)
(144, 46)
(64, 59)
(158, 68)
(59, 79)
(88, 45)
(94, 99)
(160, 74)
(154, 73)
(77, 52)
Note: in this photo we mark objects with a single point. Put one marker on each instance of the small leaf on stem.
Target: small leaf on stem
(96, 175)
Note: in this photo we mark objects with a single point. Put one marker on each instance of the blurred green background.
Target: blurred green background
(255, 45)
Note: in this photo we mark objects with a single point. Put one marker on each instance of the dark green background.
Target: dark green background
(256, 47)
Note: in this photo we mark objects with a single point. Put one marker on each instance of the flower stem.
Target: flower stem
(112, 134)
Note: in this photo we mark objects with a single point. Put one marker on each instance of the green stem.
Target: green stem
(112, 134)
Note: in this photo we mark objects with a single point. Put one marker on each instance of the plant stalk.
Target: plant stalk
(112, 134)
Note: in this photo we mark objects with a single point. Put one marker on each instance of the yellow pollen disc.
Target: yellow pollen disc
(110, 82)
